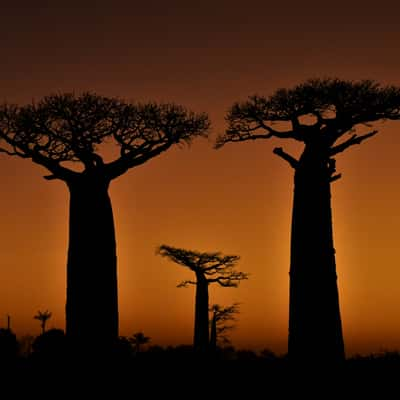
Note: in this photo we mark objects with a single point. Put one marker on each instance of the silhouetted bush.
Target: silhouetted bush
(50, 345)
(246, 355)
(8, 346)
(123, 350)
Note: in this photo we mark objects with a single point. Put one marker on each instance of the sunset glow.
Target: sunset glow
(237, 199)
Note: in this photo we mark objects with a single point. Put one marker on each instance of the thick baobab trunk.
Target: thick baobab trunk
(92, 300)
(315, 329)
(201, 327)
(213, 333)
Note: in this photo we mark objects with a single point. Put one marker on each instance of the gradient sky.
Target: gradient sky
(204, 55)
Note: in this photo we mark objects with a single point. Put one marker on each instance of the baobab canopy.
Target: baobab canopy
(215, 267)
(335, 107)
(68, 127)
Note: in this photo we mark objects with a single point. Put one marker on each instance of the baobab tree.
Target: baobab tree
(220, 323)
(63, 133)
(208, 268)
(43, 317)
(319, 113)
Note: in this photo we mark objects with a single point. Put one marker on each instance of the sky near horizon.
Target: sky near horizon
(237, 200)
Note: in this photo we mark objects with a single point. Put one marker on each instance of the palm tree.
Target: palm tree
(138, 339)
(43, 317)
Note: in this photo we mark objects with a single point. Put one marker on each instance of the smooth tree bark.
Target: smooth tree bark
(319, 114)
(66, 130)
(208, 268)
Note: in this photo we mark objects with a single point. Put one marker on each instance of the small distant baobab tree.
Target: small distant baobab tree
(320, 114)
(63, 133)
(221, 323)
(208, 268)
(43, 317)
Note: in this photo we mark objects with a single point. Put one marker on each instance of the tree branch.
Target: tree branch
(223, 263)
(244, 134)
(230, 280)
(185, 284)
(57, 171)
(13, 153)
(335, 177)
(50, 177)
(129, 160)
(287, 157)
(279, 134)
(239, 137)
(225, 282)
(147, 130)
(350, 142)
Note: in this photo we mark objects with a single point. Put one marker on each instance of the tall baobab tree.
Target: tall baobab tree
(65, 130)
(221, 317)
(320, 114)
(43, 317)
(208, 268)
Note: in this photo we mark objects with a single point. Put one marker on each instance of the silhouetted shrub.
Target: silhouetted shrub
(246, 355)
(268, 355)
(8, 346)
(123, 351)
(51, 344)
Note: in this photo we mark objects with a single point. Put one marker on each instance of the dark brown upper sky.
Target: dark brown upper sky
(204, 55)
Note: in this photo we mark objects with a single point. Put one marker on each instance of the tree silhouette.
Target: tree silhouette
(208, 268)
(221, 316)
(138, 339)
(63, 133)
(318, 113)
(43, 317)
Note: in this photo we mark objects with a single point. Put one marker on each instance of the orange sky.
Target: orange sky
(238, 199)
